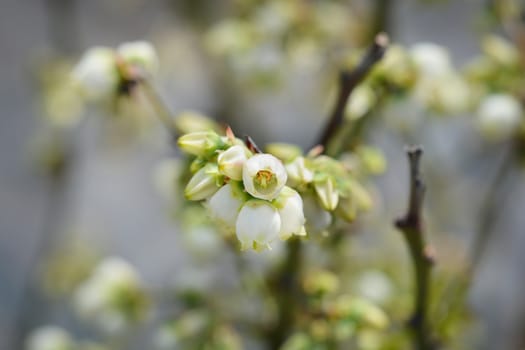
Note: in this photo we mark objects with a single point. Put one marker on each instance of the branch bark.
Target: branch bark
(411, 226)
(348, 80)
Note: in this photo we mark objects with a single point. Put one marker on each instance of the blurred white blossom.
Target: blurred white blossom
(49, 338)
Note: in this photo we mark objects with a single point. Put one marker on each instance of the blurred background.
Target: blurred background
(107, 201)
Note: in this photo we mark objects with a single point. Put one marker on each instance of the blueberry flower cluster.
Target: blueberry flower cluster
(245, 191)
(103, 70)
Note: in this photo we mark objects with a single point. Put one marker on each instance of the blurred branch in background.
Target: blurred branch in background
(411, 225)
(348, 80)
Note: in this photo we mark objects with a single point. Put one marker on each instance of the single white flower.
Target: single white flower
(232, 161)
(96, 74)
(290, 207)
(327, 193)
(264, 176)
(499, 115)
(49, 338)
(298, 173)
(225, 204)
(258, 224)
(200, 143)
(203, 184)
(140, 53)
(431, 59)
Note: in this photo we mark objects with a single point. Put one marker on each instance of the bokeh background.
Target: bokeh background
(110, 200)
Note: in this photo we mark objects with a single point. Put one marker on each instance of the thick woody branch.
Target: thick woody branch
(411, 225)
(348, 80)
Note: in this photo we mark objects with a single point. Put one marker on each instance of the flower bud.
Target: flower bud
(140, 53)
(224, 205)
(362, 101)
(500, 50)
(360, 310)
(232, 160)
(96, 74)
(347, 209)
(200, 143)
(298, 173)
(431, 59)
(499, 115)
(264, 176)
(284, 151)
(191, 121)
(327, 193)
(258, 224)
(203, 184)
(290, 207)
(49, 338)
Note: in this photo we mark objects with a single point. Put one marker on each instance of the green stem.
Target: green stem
(159, 106)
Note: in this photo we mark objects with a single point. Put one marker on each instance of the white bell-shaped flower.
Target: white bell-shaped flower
(258, 224)
(224, 205)
(140, 53)
(49, 338)
(232, 161)
(290, 207)
(264, 176)
(203, 184)
(499, 115)
(96, 74)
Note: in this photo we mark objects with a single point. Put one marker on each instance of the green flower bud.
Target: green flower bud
(361, 311)
(327, 193)
(362, 101)
(203, 184)
(200, 143)
(500, 50)
(284, 151)
(190, 121)
(320, 282)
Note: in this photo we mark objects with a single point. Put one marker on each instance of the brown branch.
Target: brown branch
(411, 225)
(348, 80)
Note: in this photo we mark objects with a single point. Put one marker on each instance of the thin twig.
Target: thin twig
(411, 225)
(489, 208)
(161, 109)
(348, 80)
